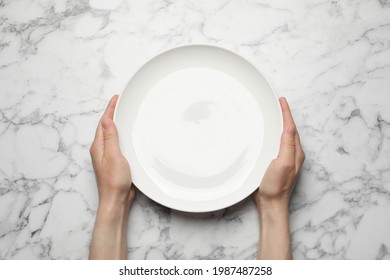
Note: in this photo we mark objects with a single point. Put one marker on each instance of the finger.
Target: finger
(110, 137)
(287, 145)
(109, 130)
(286, 112)
(288, 139)
(109, 112)
(300, 155)
(97, 147)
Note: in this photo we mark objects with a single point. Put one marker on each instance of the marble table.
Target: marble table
(61, 61)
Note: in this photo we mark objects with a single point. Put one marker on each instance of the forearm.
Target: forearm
(109, 239)
(275, 242)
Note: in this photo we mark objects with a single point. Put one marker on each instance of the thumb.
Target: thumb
(287, 144)
(110, 136)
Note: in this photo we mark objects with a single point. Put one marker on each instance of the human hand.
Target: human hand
(279, 179)
(113, 178)
(273, 196)
(111, 168)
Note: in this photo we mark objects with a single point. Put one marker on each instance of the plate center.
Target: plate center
(198, 128)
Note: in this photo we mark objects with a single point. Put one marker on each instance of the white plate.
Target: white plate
(199, 126)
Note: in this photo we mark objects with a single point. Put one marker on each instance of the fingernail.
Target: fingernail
(106, 123)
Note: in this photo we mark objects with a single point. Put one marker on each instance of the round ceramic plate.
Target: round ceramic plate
(199, 125)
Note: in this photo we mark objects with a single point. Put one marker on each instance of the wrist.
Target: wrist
(273, 201)
(112, 212)
(113, 196)
(274, 209)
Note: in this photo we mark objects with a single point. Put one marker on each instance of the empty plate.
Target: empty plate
(199, 126)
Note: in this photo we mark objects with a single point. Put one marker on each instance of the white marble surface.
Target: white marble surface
(60, 61)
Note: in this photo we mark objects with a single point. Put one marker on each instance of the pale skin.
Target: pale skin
(116, 192)
(273, 196)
